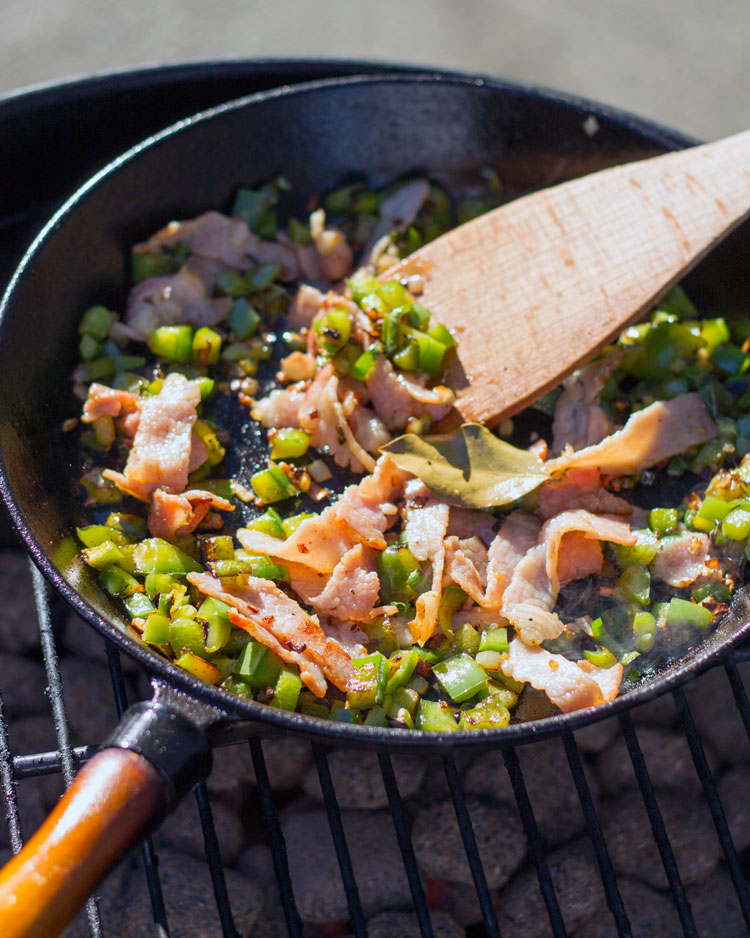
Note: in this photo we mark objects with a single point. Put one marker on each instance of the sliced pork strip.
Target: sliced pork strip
(556, 534)
(180, 298)
(396, 399)
(530, 580)
(361, 515)
(519, 533)
(264, 610)
(335, 255)
(425, 529)
(533, 623)
(160, 456)
(103, 401)
(535, 583)
(683, 559)
(353, 588)
(281, 408)
(581, 488)
(398, 210)
(568, 686)
(229, 240)
(651, 435)
(305, 307)
(581, 556)
(172, 516)
(467, 522)
(579, 421)
(463, 569)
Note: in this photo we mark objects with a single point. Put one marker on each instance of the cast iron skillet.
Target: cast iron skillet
(319, 135)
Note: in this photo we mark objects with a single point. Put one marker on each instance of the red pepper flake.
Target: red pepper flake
(302, 549)
(296, 648)
(267, 619)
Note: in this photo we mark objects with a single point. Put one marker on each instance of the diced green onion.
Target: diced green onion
(118, 582)
(460, 677)
(713, 509)
(431, 352)
(272, 484)
(364, 364)
(451, 601)
(290, 525)
(88, 347)
(600, 657)
(270, 523)
(187, 634)
(407, 357)
(139, 606)
(249, 661)
(394, 565)
(243, 320)
(96, 322)
(643, 551)
(206, 346)
(494, 640)
(435, 716)
(155, 555)
(287, 688)
(682, 613)
(441, 334)
(231, 283)
(333, 330)
(101, 556)
(736, 525)
(366, 687)
(203, 670)
(490, 714)
(146, 264)
(394, 294)
(644, 631)
(289, 443)
(663, 520)
(95, 534)
(260, 277)
(157, 629)
(175, 343)
(402, 665)
(634, 585)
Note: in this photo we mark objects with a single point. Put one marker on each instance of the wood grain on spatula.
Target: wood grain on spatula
(536, 287)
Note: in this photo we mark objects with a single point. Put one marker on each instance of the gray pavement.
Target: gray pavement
(684, 62)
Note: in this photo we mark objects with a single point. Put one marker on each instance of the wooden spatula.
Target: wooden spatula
(538, 286)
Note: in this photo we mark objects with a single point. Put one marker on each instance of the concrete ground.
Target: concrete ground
(683, 62)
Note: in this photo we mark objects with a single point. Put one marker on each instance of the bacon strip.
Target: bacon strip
(535, 583)
(651, 435)
(172, 515)
(569, 685)
(277, 621)
(160, 457)
(360, 516)
(426, 527)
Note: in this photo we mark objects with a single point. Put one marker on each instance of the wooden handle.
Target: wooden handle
(114, 801)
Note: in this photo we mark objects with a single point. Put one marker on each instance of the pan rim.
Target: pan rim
(310, 726)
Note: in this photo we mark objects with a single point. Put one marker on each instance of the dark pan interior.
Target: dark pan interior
(379, 129)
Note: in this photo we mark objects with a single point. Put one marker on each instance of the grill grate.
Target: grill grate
(15, 769)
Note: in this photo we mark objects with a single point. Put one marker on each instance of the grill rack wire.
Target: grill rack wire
(66, 759)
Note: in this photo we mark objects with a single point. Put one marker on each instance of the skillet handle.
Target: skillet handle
(150, 762)
(114, 801)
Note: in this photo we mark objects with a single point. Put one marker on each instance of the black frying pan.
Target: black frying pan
(319, 135)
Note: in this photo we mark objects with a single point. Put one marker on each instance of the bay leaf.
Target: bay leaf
(470, 467)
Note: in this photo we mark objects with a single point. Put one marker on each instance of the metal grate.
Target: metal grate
(15, 769)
